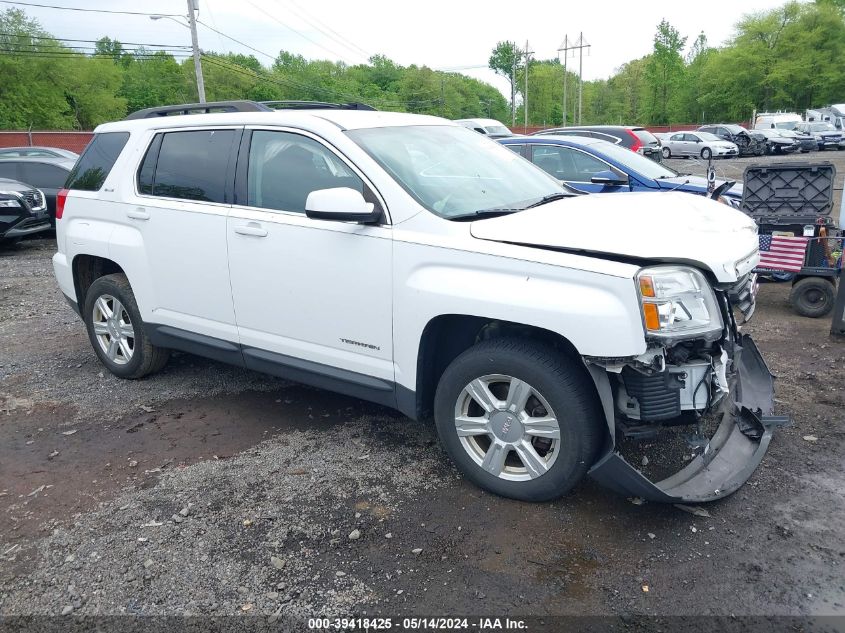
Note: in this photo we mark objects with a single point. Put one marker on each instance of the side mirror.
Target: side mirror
(341, 204)
(609, 177)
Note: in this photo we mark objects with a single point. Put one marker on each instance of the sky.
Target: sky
(443, 35)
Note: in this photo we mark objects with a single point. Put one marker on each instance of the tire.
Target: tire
(552, 387)
(813, 297)
(706, 153)
(125, 355)
(667, 153)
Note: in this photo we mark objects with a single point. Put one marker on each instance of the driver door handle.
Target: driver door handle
(252, 228)
(138, 213)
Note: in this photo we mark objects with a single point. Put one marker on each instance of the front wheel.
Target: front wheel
(667, 153)
(518, 419)
(706, 153)
(116, 330)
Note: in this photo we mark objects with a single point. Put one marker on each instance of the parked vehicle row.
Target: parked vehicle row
(591, 165)
(433, 271)
(47, 173)
(636, 139)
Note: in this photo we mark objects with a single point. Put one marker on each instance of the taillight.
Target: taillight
(637, 143)
(60, 203)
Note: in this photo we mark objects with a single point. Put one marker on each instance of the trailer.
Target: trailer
(799, 241)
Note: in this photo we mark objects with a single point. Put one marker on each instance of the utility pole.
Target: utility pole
(513, 87)
(565, 47)
(192, 21)
(528, 54)
(580, 44)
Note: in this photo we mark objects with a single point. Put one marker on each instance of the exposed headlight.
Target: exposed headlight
(677, 302)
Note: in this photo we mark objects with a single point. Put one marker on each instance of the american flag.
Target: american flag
(779, 252)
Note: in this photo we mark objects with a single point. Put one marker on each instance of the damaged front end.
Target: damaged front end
(700, 398)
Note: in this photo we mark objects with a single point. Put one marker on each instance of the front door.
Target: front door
(313, 298)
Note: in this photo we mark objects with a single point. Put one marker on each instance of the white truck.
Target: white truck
(409, 261)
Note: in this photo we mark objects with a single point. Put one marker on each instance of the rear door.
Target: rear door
(313, 298)
(176, 220)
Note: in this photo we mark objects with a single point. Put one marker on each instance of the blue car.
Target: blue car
(592, 165)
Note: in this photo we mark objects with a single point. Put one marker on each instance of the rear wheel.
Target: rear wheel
(518, 419)
(706, 153)
(667, 153)
(116, 330)
(813, 297)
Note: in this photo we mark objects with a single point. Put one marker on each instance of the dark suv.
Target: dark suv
(23, 211)
(749, 143)
(636, 139)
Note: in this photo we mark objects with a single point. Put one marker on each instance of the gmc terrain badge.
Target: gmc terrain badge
(359, 344)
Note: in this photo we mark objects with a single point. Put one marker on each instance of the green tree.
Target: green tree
(665, 72)
(505, 60)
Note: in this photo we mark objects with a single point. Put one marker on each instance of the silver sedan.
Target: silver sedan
(701, 144)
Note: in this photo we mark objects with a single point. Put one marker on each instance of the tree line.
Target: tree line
(788, 58)
(48, 83)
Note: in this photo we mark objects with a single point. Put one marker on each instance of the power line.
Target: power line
(302, 35)
(332, 30)
(66, 39)
(55, 54)
(352, 47)
(52, 6)
(273, 57)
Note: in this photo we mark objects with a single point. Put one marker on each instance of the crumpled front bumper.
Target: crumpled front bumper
(731, 456)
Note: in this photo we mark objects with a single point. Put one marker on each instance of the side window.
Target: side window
(677, 137)
(43, 176)
(516, 149)
(8, 170)
(549, 158)
(188, 165)
(93, 167)
(584, 166)
(284, 168)
(690, 138)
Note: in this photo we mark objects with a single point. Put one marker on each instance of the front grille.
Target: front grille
(744, 295)
(33, 198)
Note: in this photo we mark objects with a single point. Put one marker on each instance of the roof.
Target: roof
(344, 119)
(544, 138)
(481, 122)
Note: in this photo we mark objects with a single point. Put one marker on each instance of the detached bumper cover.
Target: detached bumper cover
(731, 456)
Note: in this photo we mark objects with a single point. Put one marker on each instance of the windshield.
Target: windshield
(821, 127)
(786, 125)
(633, 160)
(707, 136)
(498, 129)
(453, 171)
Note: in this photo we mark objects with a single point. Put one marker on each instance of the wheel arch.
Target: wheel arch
(87, 269)
(447, 336)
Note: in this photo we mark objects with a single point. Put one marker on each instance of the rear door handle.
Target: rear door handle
(138, 214)
(252, 228)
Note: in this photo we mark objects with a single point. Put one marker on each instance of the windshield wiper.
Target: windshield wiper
(549, 198)
(483, 213)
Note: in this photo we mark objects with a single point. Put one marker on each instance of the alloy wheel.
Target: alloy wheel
(113, 329)
(507, 427)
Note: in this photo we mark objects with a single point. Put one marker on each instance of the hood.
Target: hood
(670, 227)
(696, 184)
(13, 185)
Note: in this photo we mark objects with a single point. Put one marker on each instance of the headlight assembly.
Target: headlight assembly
(677, 302)
(9, 203)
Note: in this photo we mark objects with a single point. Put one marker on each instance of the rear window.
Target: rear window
(187, 165)
(646, 137)
(93, 167)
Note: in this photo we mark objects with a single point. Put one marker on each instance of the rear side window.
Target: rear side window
(96, 162)
(188, 165)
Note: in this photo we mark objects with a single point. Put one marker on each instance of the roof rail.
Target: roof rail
(199, 108)
(315, 105)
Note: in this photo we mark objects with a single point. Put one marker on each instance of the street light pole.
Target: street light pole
(195, 44)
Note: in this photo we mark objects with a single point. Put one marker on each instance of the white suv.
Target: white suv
(409, 261)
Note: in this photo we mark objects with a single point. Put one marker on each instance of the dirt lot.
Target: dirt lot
(212, 490)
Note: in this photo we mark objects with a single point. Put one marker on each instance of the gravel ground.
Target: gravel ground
(212, 490)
